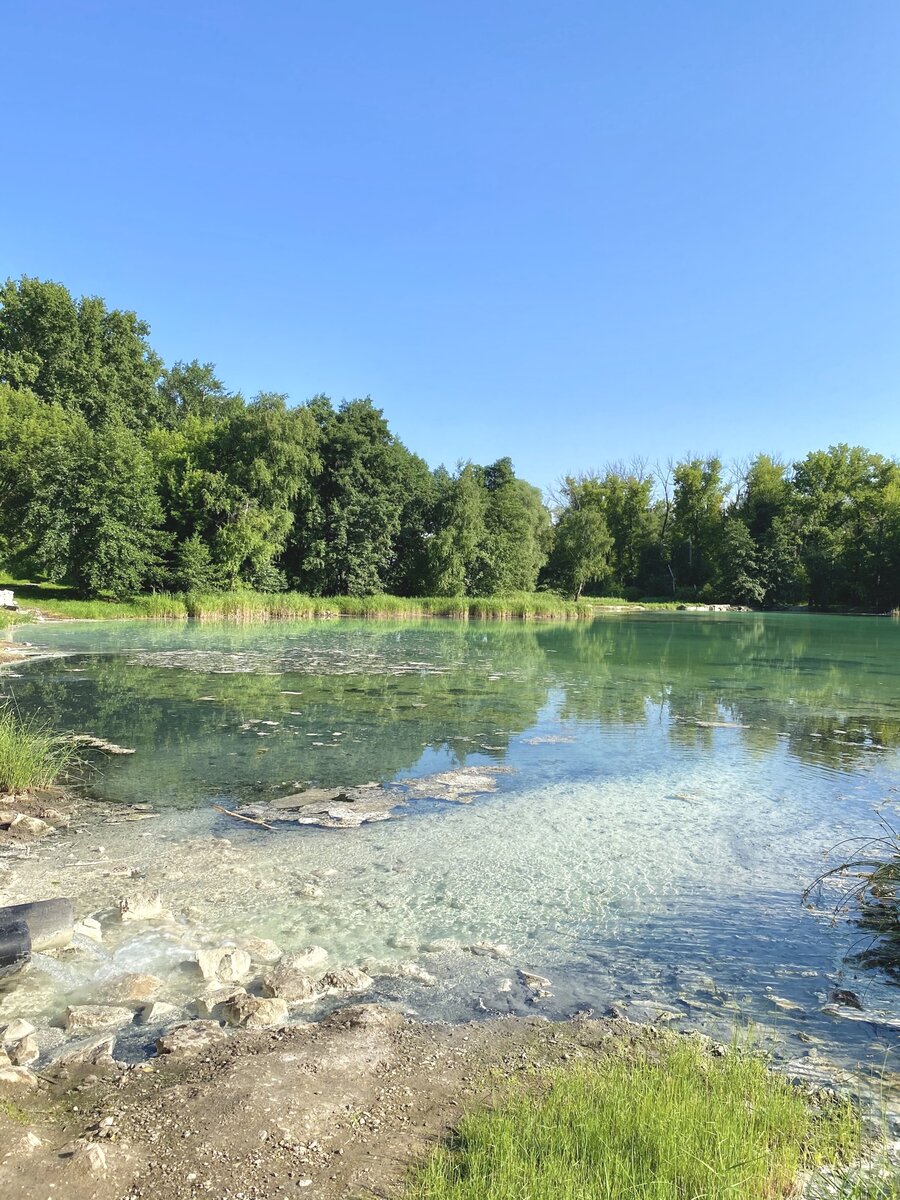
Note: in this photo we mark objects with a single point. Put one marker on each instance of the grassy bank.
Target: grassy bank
(668, 1127)
(30, 755)
(56, 600)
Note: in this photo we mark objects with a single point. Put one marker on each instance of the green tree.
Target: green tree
(78, 354)
(739, 578)
(582, 542)
(697, 513)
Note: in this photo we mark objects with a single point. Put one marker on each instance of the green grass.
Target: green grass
(683, 1126)
(56, 600)
(31, 756)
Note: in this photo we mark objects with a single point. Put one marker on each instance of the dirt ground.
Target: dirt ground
(339, 1109)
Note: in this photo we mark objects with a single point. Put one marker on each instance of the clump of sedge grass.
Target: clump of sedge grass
(31, 756)
(679, 1127)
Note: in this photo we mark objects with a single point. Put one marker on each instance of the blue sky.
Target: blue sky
(567, 232)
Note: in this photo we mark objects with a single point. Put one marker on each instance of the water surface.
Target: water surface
(676, 781)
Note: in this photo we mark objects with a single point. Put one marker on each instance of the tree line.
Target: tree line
(119, 474)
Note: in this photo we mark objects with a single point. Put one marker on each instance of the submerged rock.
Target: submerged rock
(491, 949)
(535, 982)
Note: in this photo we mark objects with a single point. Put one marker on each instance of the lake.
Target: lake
(671, 784)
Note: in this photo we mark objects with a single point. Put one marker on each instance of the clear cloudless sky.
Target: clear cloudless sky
(569, 232)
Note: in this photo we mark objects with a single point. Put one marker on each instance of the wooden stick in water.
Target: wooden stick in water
(241, 817)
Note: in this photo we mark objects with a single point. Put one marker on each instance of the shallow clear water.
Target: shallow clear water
(632, 855)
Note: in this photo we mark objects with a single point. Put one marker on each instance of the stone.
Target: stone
(191, 1039)
(28, 829)
(89, 1158)
(847, 998)
(505, 985)
(24, 1052)
(491, 949)
(16, 1030)
(347, 980)
(535, 982)
(158, 1012)
(252, 1013)
(309, 891)
(89, 928)
(288, 981)
(411, 970)
(140, 906)
(225, 964)
(5, 1060)
(133, 986)
(25, 1145)
(310, 959)
(210, 1003)
(263, 950)
(17, 1079)
(85, 1018)
(94, 1055)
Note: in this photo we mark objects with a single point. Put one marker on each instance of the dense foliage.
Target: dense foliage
(119, 474)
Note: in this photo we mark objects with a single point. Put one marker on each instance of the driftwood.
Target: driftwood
(240, 816)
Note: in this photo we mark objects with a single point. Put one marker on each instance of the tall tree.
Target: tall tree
(78, 354)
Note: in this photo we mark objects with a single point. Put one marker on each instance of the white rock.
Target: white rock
(263, 950)
(157, 1012)
(287, 982)
(17, 1079)
(16, 1030)
(411, 970)
(491, 949)
(537, 983)
(28, 829)
(195, 1037)
(210, 1003)
(140, 906)
(89, 928)
(24, 1052)
(346, 980)
(89, 1158)
(310, 959)
(85, 1018)
(225, 964)
(252, 1013)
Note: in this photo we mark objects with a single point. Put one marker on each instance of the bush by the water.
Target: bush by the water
(678, 1126)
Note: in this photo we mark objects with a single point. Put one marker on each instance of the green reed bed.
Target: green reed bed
(31, 756)
(677, 1126)
(276, 606)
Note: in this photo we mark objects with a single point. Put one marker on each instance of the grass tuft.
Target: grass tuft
(31, 756)
(681, 1126)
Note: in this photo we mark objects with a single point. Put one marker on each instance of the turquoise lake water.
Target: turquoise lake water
(674, 783)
